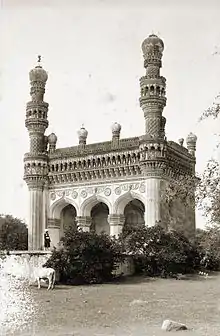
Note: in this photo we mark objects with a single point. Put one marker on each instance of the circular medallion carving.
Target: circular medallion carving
(125, 187)
(142, 188)
(118, 191)
(53, 196)
(67, 193)
(74, 194)
(83, 193)
(107, 192)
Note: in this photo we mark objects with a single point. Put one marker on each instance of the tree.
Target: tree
(13, 233)
(208, 192)
(177, 195)
(86, 257)
(156, 251)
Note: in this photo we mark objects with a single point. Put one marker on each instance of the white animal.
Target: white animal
(45, 273)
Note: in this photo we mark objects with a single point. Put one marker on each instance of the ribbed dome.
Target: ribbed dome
(38, 74)
(116, 128)
(82, 132)
(151, 42)
(191, 138)
(52, 139)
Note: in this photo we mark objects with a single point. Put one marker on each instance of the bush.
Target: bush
(157, 252)
(208, 244)
(13, 233)
(86, 258)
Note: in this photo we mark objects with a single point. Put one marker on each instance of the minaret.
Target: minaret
(153, 100)
(35, 162)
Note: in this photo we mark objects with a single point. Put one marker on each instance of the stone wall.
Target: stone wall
(21, 263)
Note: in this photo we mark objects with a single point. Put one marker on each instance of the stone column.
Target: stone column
(152, 206)
(53, 226)
(35, 229)
(84, 223)
(116, 223)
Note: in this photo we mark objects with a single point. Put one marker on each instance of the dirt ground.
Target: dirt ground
(137, 306)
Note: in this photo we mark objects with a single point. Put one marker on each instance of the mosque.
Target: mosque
(109, 185)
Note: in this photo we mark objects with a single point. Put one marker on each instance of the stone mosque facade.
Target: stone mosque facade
(109, 185)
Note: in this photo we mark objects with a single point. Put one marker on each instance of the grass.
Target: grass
(110, 309)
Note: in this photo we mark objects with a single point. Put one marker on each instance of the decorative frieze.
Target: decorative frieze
(106, 190)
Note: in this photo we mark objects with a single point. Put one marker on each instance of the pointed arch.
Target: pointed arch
(89, 203)
(123, 200)
(57, 207)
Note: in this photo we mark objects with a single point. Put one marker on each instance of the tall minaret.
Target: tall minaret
(153, 100)
(35, 162)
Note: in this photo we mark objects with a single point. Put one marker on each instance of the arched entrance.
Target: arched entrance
(68, 218)
(134, 214)
(99, 215)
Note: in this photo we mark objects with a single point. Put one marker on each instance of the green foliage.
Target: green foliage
(86, 257)
(156, 251)
(13, 233)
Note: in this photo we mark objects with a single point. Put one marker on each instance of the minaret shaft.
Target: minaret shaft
(35, 162)
(153, 100)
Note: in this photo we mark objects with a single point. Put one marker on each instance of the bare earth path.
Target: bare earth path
(110, 309)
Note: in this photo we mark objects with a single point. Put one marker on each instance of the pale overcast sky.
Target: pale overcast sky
(91, 50)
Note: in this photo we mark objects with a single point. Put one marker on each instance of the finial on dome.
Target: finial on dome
(82, 134)
(116, 129)
(39, 59)
(52, 140)
(181, 141)
(152, 48)
(191, 143)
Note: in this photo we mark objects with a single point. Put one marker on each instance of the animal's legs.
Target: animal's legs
(49, 285)
(38, 281)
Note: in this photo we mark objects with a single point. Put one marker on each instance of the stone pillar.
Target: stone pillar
(35, 229)
(152, 206)
(116, 223)
(84, 223)
(53, 226)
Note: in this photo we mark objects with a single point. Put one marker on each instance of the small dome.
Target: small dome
(181, 141)
(150, 42)
(82, 133)
(116, 128)
(38, 74)
(52, 139)
(191, 138)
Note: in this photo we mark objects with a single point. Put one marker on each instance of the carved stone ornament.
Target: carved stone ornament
(107, 192)
(142, 188)
(67, 192)
(53, 196)
(74, 194)
(83, 193)
(125, 187)
(118, 191)
(60, 193)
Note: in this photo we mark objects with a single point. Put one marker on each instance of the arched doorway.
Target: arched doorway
(134, 214)
(68, 218)
(99, 215)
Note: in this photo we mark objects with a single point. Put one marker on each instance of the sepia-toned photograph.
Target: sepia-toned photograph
(110, 168)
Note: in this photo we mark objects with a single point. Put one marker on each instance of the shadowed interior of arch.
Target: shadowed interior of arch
(99, 214)
(68, 218)
(134, 214)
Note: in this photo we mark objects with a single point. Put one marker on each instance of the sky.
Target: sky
(92, 52)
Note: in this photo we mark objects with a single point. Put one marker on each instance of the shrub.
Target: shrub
(208, 244)
(13, 233)
(156, 252)
(86, 257)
